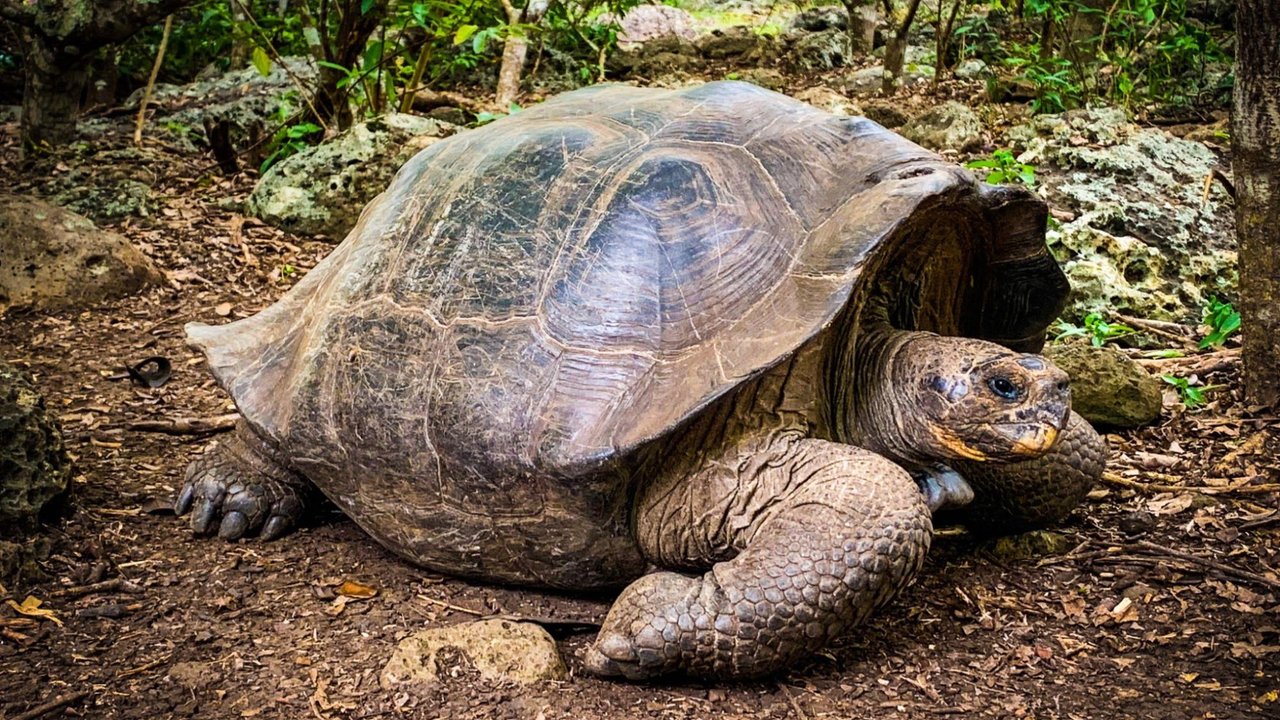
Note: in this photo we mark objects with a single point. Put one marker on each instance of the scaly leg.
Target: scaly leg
(807, 537)
(239, 489)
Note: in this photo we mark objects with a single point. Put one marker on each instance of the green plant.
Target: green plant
(1003, 168)
(1222, 320)
(290, 140)
(1191, 395)
(1096, 328)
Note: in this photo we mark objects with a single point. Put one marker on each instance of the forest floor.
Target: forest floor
(1165, 603)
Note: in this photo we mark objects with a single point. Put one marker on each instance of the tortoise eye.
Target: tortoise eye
(1004, 387)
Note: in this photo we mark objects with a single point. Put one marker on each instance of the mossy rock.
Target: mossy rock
(1108, 388)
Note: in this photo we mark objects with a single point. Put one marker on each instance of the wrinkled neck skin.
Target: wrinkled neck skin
(883, 415)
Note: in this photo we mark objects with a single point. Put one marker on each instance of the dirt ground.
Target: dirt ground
(1163, 603)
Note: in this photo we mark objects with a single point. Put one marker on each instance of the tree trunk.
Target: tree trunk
(895, 57)
(50, 97)
(240, 48)
(514, 51)
(1255, 152)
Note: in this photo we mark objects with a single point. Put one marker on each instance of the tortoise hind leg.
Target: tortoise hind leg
(239, 489)
(811, 537)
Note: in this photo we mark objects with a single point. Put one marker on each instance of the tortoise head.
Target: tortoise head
(980, 401)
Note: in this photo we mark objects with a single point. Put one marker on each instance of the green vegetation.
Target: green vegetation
(1096, 328)
(1222, 320)
(1003, 168)
(1191, 395)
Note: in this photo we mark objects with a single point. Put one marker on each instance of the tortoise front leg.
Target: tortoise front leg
(807, 537)
(1013, 497)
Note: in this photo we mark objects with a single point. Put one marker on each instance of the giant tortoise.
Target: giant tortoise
(712, 330)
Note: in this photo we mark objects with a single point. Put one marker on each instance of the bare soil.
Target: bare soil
(1165, 604)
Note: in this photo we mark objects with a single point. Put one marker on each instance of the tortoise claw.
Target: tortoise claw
(226, 495)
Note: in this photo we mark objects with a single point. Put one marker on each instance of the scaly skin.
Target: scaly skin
(824, 533)
(240, 489)
(1031, 494)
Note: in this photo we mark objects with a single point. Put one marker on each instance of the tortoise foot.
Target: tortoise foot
(642, 636)
(237, 491)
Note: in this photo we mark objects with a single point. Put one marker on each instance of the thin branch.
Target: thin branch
(151, 81)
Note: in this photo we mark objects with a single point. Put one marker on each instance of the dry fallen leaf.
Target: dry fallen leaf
(356, 590)
(223, 310)
(31, 608)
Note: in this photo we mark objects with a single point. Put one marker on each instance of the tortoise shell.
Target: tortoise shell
(545, 294)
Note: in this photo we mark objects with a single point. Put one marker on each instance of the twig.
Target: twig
(151, 82)
(187, 425)
(1114, 479)
(791, 698)
(52, 705)
(1156, 328)
(1222, 567)
(1272, 519)
(451, 606)
(112, 585)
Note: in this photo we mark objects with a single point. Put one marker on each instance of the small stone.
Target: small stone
(767, 78)
(1108, 388)
(731, 42)
(500, 650)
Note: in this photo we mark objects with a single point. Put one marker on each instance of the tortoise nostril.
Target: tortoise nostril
(1064, 385)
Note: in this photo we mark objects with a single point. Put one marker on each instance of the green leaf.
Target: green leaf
(366, 6)
(464, 33)
(261, 61)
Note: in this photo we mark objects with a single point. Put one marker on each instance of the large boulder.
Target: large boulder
(107, 185)
(321, 190)
(1108, 388)
(816, 51)
(1144, 238)
(54, 259)
(949, 126)
(35, 471)
(500, 650)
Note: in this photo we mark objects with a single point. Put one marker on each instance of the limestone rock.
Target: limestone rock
(949, 126)
(767, 78)
(245, 99)
(500, 650)
(1107, 388)
(820, 18)
(823, 50)
(322, 190)
(1144, 240)
(825, 98)
(36, 469)
(735, 42)
(53, 259)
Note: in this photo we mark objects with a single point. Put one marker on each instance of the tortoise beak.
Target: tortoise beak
(1033, 440)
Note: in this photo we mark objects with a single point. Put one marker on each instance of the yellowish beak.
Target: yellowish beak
(1036, 442)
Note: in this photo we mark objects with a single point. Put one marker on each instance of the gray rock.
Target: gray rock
(644, 23)
(54, 259)
(500, 650)
(1144, 240)
(37, 470)
(450, 115)
(870, 80)
(823, 17)
(1107, 388)
(949, 126)
(322, 190)
(250, 103)
(823, 50)
(972, 69)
